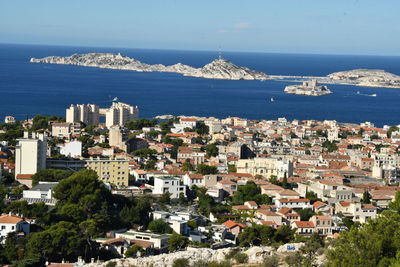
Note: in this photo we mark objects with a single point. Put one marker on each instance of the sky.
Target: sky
(359, 27)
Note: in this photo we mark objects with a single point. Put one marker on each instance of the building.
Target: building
(11, 223)
(323, 224)
(43, 192)
(9, 119)
(118, 137)
(171, 185)
(120, 113)
(88, 114)
(266, 167)
(71, 149)
(110, 170)
(61, 130)
(30, 153)
(303, 227)
(158, 242)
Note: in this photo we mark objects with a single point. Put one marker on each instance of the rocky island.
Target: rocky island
(367, 77)
(217, 69)
(308, 88)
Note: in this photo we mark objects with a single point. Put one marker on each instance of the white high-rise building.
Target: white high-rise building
(88, 114)
(120, 113)
(30, 153)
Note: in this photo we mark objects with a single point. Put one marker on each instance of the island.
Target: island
(310, 88)
(217, 69)
(367, 77)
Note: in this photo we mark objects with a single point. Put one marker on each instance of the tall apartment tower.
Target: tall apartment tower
(30, 153)
(120, 113)
(88, 114)
(118, 137)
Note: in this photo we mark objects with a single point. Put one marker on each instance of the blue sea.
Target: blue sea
(27, 88)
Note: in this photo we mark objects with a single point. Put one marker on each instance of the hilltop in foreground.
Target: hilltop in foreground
(217, 69)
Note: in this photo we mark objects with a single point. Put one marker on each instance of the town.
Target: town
(103, 183)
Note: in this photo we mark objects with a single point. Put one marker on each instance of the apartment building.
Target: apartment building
(110, 170)
(266, 167)
(88, 114)
(173, 186)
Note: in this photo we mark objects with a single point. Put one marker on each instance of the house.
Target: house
(178, 221)
(270, 189)
(321, 207)
(267, 215)
(356, 211)
(287, 194)
(294, 203)
(233, 227)
(171, 185)
(288, 215)
(303, 227)
(43, 192)
(323, 224)
(11, 223)
(193, 179)
(158, 241)
(228, 186)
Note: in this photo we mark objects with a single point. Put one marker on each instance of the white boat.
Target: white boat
(272, 99)
(115, 99)
(374, 95)
(358, 92)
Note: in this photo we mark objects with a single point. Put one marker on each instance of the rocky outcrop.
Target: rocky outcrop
(367, 77)
(255, 254)
(217, 69)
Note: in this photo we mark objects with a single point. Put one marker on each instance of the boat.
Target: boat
(115, 99)
(374, 95)
(358, 92)
(272, 99)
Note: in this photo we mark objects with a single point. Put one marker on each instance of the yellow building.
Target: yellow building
(114, 171)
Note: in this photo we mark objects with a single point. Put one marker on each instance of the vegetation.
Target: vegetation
(50, 175)
(248, 192)
(159, 226)
(262, 235)
(211, 150)
(177, 242)
(206, 169)
(140, 123)
(331, 146)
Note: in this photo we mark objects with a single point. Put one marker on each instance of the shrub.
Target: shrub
(241, 257)
(270, 261)
(180, 262)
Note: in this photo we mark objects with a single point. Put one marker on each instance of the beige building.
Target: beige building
(30, 153)
(266, 167)
(114, 171)
(120, 113)
(88, 114)
(118, 137)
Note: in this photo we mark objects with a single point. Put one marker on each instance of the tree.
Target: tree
(206, 169)
(284, 234)
(159, 226)
(232, 168)
(146, 153)
(331, 146)
(177, 242)
(133, 251)
(211, 150)
(256, 235)
(305, 214)
(312, 197)
(139, 124)
(187, 166)
(60, 241)
(375, 243)
(201, 128)
(50, 175)
(285, 182)
(366, 199)
(150, 165)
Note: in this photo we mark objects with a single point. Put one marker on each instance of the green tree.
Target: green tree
(305, 214)
(211, 150)
(232, 168)
(139, 124)
(133, 251)
(366, 199)
(187, 166)
(201, 128)
(159, 226)
(177, 242)
(256, 235)
(181, 262)
(206, 169)
(50, 175)
(146, 153)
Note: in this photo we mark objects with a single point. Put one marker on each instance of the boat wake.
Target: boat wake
(371, 95)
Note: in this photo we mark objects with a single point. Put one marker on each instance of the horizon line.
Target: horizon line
(202, 50)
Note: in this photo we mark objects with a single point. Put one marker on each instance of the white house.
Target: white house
(43, 192)
(71, 149)
(170, 185)
(293, 203)
(11, 223)
(193, 179)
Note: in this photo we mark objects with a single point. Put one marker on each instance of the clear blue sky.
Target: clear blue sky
(295, 26)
